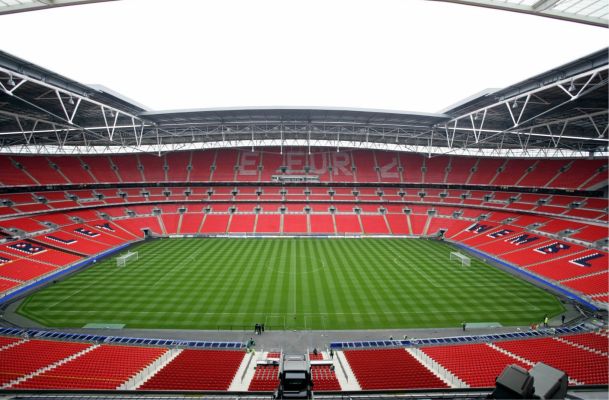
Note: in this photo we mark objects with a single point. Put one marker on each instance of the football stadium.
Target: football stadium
(300, 252)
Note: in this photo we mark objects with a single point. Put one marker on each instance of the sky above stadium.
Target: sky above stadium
(407, 55)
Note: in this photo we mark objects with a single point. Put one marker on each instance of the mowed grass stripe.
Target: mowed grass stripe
(290, 284)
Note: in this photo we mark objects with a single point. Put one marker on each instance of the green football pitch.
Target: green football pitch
(290, 284)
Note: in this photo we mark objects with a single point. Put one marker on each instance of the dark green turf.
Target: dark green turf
(291, 284)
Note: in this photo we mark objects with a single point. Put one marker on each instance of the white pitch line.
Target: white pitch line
(181, 265)
(304, 314)
(421, 274)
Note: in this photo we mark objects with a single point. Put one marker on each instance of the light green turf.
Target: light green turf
(290, 284)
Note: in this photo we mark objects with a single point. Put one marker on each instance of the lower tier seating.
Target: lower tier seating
(595, 284)
(324, 378)
(585, 263)
(6, 341)
(105, 367)
(266, 379)
(21, 269)
(594, 341)
(5, 284)
(582, 365)
(32, 355)
(478, 365)
(390, 369)
(197, 370)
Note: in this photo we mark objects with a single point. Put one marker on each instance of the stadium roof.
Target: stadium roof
(13, 6)
(591, 12)
(560, 113)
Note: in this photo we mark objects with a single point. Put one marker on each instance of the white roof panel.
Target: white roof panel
(591, 12)
(13, 6)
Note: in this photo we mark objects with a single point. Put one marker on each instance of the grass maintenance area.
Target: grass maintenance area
(289, 284)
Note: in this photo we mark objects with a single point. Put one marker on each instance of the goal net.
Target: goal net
(462, 258)
(122, 260)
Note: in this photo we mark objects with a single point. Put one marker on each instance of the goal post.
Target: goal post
(123, 259)
(462, 258)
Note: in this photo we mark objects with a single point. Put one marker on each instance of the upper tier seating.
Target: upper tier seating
(72, 169)
(582, 175)
(435, 169)
(412, 167)
(389, 167)
(390, 369)
(128, 168)
(153, 168)
(228, 165)
(486, 170)
(460, 169)
(365, 168)
(225, 166)
(105, 367)
(101, 169)
(543, 172)
(40, 169)
(197, 370)
(512, 172)
(11, 175)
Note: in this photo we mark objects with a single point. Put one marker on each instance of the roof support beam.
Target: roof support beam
(71, 108)
(318, 143)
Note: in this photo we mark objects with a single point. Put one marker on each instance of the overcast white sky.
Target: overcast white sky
(408, 55)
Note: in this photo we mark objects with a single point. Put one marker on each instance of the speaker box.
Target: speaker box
(514, 383)
(550, 383)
